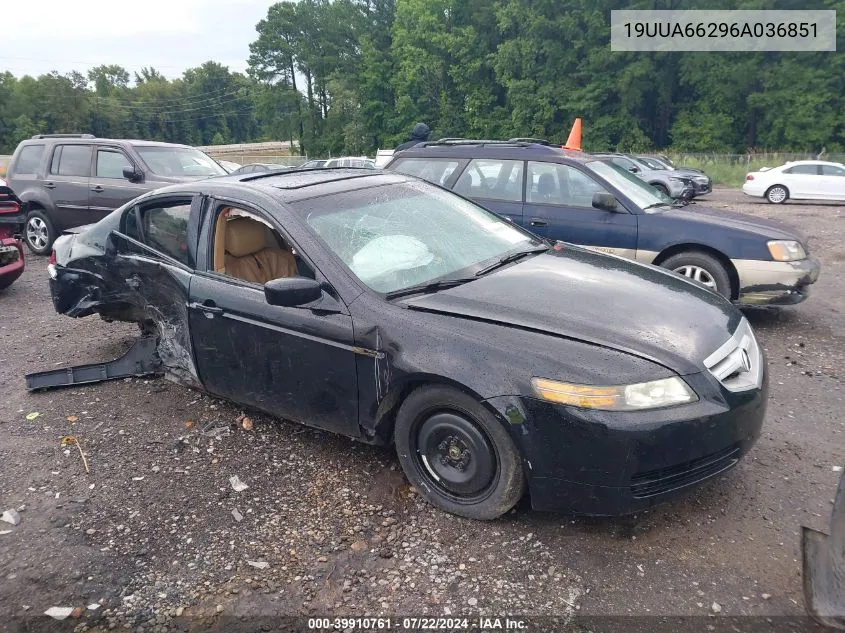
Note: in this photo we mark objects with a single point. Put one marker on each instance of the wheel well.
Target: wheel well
(382, 433)
(687, 248)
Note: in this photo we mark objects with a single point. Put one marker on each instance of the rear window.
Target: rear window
(811, 170)
(28, 160)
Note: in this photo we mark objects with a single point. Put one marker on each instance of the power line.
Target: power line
(188, 103)
(149, 109)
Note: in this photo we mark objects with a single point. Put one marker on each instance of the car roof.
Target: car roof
(75, 138)
(470, 148)
(295, 185)
(791, 163)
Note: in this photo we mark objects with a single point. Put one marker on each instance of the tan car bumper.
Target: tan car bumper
(775, 283)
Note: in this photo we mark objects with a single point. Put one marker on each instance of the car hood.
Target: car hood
(601, 300)
(771, 229)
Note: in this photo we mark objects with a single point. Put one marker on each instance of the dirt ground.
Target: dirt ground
(156, 537)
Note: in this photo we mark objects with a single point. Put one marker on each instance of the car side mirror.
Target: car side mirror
(132, 175)
(292, 291)
(605, 201)
(634, 169)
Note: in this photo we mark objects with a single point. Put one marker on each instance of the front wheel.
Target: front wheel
(39, 234)
(703, 268)
(457, 454)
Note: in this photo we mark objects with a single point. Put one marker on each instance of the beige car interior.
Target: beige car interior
(248, 249)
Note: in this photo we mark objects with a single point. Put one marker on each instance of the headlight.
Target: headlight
(644, 395)
(674, 179)
(786, 250)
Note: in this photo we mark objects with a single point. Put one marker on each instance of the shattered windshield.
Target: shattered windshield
(395, 236)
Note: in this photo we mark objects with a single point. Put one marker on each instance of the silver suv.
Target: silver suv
(69, 180)
(680, 187)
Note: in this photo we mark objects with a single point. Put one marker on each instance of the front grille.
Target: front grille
(738, 363)
(655, 482)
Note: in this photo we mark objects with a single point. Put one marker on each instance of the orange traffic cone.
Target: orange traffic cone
(574, 140)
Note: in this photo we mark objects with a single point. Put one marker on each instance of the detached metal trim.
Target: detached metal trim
(139, 360)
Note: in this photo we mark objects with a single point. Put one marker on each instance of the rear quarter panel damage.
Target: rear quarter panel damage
(132, 287)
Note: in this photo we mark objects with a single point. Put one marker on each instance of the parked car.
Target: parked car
(385, 308)
(672, 185)
(350, 161)
(798, 180)
(579, 198)
(70, 180)
(312, 164)
(701, 181)
(255, 168)
(11, 227)
(383, 157)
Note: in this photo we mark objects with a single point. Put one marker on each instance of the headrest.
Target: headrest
(244, 237)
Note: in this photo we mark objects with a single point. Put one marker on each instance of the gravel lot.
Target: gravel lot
(156, 535)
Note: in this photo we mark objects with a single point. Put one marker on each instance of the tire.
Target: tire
(478, 471)
(777, 194)
(662, 189)
(703, 268)
(39, 233)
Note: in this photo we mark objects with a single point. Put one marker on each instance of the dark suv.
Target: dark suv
(69, 180)
(585, 200)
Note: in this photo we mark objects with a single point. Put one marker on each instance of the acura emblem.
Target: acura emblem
(745, 360)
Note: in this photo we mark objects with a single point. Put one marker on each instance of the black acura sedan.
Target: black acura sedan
(387, 309)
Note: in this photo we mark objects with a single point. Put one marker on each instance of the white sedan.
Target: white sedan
(799, 180)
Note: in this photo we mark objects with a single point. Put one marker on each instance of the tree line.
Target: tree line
(351, 76)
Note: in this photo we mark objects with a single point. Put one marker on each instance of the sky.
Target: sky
(170, 35)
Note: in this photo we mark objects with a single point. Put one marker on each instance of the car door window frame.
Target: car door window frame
(841, 171)
(583, 173)
(214, 205)
(465, 170)
(58, 152)
(117, 150)
(194, 222)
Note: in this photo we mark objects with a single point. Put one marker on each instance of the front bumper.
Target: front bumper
(612, 463)
(680, 190)
(11, 261)
(702, 188)
(775, 283)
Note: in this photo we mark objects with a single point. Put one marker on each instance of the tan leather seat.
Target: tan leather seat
(249, 258)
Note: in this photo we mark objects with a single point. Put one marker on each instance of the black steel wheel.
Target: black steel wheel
(458, 454)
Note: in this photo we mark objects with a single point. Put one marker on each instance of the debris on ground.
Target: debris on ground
(67, 440)
(245, 422)
(215, 429)
(11, 516)
(717, 608)
(72, 419)
(237, 484)
(259, 564)
(238, 516)
(59, 613)
(32, 416)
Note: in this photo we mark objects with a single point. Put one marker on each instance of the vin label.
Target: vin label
(711, 30)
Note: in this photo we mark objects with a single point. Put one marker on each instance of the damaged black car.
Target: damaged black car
(385, 308)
